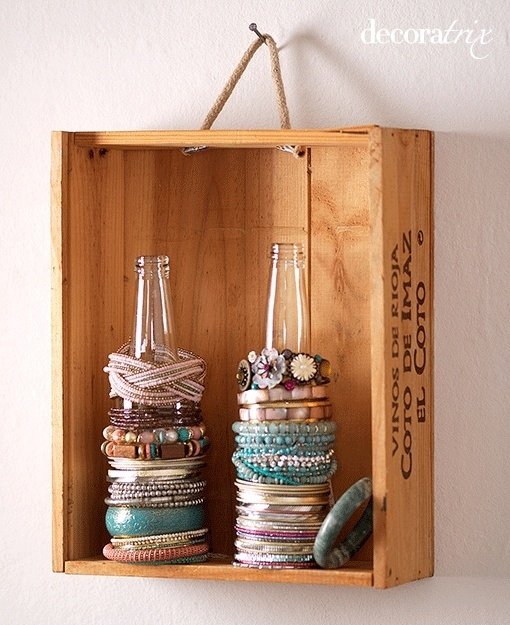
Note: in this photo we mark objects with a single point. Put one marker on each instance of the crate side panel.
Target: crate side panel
(403, 403)
(340, 301)
(59, 206)
(94, 315)
(215, 214)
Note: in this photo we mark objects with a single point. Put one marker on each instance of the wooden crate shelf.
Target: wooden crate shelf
(359, 199)
(354, 574)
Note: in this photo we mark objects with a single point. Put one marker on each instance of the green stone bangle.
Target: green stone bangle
(333, 558)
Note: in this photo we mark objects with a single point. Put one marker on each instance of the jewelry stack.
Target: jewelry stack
(284, 458)
(156, 452)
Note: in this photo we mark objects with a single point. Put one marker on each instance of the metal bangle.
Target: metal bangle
(161, 537)
(152, 503)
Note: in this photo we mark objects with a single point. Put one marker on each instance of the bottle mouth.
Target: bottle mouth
(287, 251)
(157, 264)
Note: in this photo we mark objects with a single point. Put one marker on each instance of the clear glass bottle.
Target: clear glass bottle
(288, 309)
(153, 337)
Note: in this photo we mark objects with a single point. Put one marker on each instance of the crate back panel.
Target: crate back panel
(215, 214)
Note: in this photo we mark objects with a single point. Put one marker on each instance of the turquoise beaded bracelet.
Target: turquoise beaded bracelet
(262, 476)
(333, 558)
(281, 441)
(284, 427)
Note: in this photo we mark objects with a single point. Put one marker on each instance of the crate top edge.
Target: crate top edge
(154, 139)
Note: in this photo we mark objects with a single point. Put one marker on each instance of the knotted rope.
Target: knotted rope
(156, 384)
(276, 74)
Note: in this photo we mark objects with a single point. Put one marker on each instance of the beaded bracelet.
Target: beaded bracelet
(154, 451)
(154, 502)
(126, 493)
(284, 470)
(275, 450)
(298, 453)
(292, 441)
(286, 457)
(156, 435)
(281, 411)
(155, 554)
(152, 489)
(279, 393)
(183, 408)
(284, 427)
(190, 560)
(184, 413)
(168, 484)
(117, 495)
(139, 423)
(303, 449)
(258, 474)
(156, 384)
(135, 496)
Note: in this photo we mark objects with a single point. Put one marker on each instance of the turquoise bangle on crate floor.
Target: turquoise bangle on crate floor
(324, 552)
(123, 521)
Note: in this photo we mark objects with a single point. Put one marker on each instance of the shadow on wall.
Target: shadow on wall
(308, 51)
(472, 310)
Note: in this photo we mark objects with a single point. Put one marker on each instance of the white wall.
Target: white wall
(135, 64)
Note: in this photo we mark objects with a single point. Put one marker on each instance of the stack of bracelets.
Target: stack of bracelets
(284, 458)
(156, 490)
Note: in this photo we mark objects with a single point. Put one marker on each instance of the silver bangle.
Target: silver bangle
(152, 503)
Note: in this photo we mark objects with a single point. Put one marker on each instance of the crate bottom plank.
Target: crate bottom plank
(354, 574)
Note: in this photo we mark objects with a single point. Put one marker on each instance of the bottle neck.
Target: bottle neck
(153, 338)
(288, 315)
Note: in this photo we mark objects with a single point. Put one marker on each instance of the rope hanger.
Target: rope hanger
(230, 85)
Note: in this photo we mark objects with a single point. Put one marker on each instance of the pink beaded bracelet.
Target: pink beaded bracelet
(154, 554)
